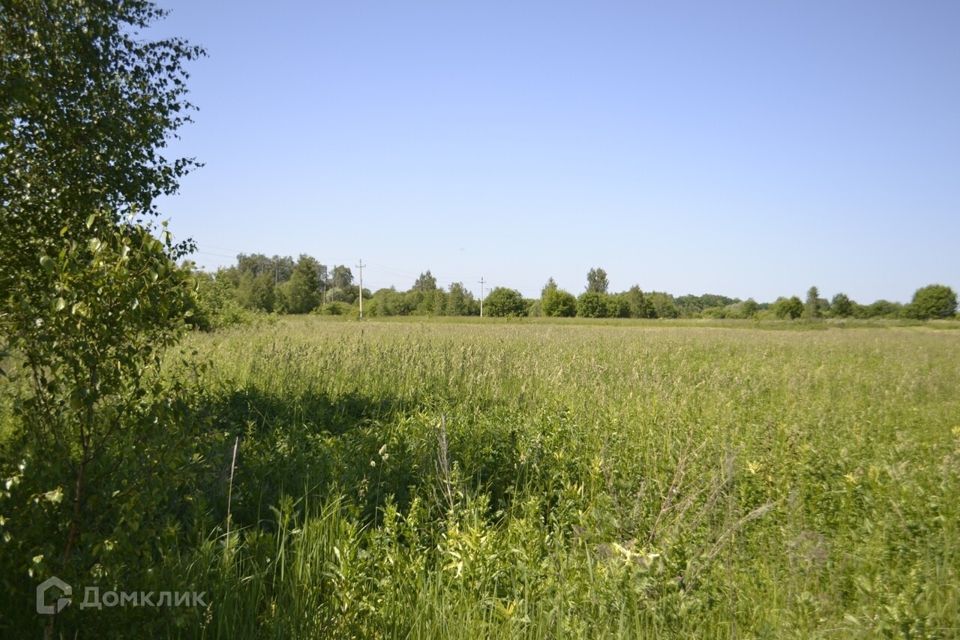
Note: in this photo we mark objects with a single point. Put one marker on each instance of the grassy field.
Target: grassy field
(543, 480)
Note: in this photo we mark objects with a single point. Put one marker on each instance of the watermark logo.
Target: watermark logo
(94, 599)
(62, 603)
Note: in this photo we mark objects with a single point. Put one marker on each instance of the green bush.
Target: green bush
(788, 308)
(338, 309)
(933, 301)
(214, 304)
(592, 304)
(503, 302)
(557, 303)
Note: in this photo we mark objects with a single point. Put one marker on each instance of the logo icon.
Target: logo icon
(52, 609)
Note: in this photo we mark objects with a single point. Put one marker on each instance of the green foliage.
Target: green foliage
(336, 294)
(557, 303)
(76, 73)
(256, 289)
(91, 351)
(277, 269)
(841, 306)
(301, 293)
(879, 309)
(736, 311)
(618, 306)
(342, 277)
(427, 302)
(337, 309)
(389, 302)
(592, 304)
(503, 302)
(716, 313)
(663, 305)
(90, 297)
(749, 308)
(424, 302)
(214, 304)
(460, 302)
(811, 308)
(933, 301)
(597, 281)
(787, 308)
(691, 306)
(561, 304)
(640, 305)
(256, 292)
(425, 282)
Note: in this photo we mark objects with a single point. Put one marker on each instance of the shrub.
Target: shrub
(337, 309)
(788, 308)
(503, 302)
(618, 306)
(592, 304)
(557, 303)
(933, 301)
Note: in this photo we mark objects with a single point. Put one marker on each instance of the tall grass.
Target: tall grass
(534, 480)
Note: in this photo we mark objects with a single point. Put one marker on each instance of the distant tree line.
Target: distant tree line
(929, 302)
(285, 285)
(305, 285)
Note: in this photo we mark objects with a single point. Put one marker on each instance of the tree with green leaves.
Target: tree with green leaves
(618, 306)
(336, 294)
(341, 278)
(432, 302)
(879, 309)
(691, 306)
(788, 308)
(841, 306)
(933, 301)
(425, 282)
(592, 304)
(551, 285)
(460, 301)
(597, 281)
(663, 305)
(640, 306)
(389, 302)
(90, 294)
(301, 293)
(557, 303)
(278, 268)
(811, 308)
(256, 291)
(214, 302)
(503, 302)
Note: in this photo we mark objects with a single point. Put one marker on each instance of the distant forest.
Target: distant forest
(280, 284)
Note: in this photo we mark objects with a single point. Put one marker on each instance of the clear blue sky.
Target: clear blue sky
(743, 148)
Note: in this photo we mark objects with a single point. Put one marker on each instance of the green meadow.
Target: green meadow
(427, 479)
(551, 480)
